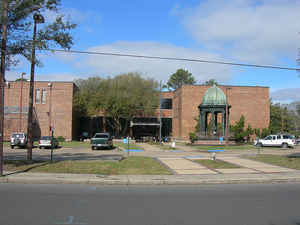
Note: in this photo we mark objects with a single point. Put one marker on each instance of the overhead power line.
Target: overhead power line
(175, 59)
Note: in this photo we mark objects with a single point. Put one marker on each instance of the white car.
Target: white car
(278, 140)
(18, 139)
(45, 142)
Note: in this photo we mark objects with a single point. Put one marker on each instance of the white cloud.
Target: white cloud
(13, 75)
(154, 68)
(286, 95)
(56, 77)
(249, 30)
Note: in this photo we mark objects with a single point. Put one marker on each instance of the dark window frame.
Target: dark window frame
(166, 103)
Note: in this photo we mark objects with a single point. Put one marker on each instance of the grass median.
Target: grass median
(133, 165)
(279, 160)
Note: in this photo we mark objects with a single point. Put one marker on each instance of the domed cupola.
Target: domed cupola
(214, 96)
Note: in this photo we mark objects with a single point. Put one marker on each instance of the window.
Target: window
(37, 96)
(166, 103)
(44, 93)
(101, 136)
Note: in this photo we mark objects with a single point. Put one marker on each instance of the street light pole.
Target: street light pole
(2, 78)
(50, 107)
(21, 99)
(227, 117)
(160, 122)
(37, 19)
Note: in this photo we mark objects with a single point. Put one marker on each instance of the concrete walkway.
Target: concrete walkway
(181, 165)
(184, 166)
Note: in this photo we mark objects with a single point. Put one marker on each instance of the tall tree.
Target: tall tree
(281, 119)
(53, 33)
(122, 97)
(210, 82)
(180, 78)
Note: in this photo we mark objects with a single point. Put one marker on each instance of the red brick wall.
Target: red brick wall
(62, 118)
(252, 102)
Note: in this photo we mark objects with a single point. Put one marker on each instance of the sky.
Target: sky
(264, 32)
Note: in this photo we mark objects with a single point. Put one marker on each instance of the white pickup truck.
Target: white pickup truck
(280, 140)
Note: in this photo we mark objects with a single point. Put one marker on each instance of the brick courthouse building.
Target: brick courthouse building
(56, 97)
(178, 113)
(250, 101)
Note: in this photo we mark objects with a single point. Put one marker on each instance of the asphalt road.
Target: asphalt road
(269, 204)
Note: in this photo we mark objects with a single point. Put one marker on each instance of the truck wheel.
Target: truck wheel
(92, 148)
(284, 145)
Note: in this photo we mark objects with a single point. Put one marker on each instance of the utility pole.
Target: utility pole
(160, 112)
(50, 108)
(2, 78)
(21, 99)
(227, 118)
(37, 19)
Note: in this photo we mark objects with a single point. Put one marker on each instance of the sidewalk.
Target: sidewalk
(47, 178)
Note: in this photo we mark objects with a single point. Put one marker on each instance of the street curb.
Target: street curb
(142, 180)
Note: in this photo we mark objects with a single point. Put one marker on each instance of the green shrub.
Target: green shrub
(193, 137)
(60, 138)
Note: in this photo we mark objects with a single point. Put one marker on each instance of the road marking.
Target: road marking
(70, 221)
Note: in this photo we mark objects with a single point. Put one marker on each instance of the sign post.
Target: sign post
(51, 156)
(128, 146)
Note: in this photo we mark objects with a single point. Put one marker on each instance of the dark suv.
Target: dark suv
(18, 139)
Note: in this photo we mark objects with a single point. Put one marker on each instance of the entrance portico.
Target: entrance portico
(213, 104)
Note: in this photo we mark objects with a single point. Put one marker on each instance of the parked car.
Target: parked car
(45, 142)
(279, 140)
(101, 140)
(18, 139)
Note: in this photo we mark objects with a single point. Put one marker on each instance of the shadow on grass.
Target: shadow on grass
(20, 163)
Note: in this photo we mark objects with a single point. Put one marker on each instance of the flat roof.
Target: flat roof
(44, 81)
(219, 85)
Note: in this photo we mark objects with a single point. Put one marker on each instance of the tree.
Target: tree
(298, 109)
(85, 97)
(238, 130)
(22, 79)
(210, 82)
(180, 78)
(120, 98)
(281, 119)
(19, 28)
(248, 132)
(128, 96)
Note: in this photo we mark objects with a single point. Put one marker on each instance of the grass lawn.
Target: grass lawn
(72, 144)
(216, 164)
(279, 160)
(234, 147)
(131, 165)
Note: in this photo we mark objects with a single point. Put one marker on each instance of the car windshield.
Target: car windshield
(46, 138)
(101, 136)
(17, 135)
